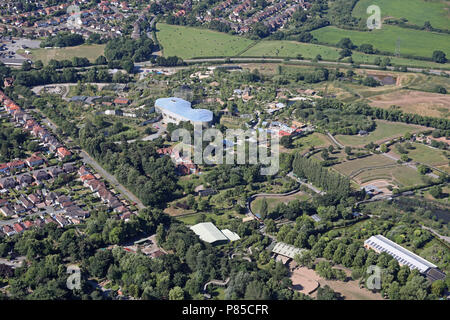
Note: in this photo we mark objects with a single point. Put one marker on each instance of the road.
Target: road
(107, 176)
(48, 211)
(110, 178)
(239, 59)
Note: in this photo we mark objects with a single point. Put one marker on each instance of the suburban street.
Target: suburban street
(86, 158)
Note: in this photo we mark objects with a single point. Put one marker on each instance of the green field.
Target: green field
(273, 202)
(188, 42)
(415, 11)
(384, 131)
(425, 154)
(91, 52)
(312, 140)
(412, 42)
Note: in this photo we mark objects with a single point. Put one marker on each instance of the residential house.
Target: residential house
(18, 208)
(41, 175)
(69, 168)
(25, 180)
(7, 211)
(4, 168)
(34, 198)
(25, 202)
(18, 227)
(61, 221)
(63, 153)
(34, 161)
(8, 230)
(16, 164)
(7, 183)
(55, 171)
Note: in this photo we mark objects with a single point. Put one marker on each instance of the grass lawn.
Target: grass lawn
(272, 202)
(425, 154)
(315, 139)
(188, 42)
(385, 130)
(413, 42)
(91, 52)
(193, 218)
(416, 11)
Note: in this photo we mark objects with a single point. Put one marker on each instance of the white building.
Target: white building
(380, 244)
(208, 232)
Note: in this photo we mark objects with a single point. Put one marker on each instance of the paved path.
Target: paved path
(334, 140)
(309, 185)
(445, 238)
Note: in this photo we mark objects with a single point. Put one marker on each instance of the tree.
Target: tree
(439, 56)
(127, 65)
(176, 293)
(256, 291)
(326, 293)
(264, 208)
(436, 192)
(422, 169)
(348, 150)
(26, 66)
(345, 43)
(286, 141)
(384, 148)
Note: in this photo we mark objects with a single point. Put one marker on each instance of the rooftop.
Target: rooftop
(208, 232)
(402, 255)
(183, 108)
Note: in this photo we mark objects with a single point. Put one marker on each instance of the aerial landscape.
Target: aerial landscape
(230, 150)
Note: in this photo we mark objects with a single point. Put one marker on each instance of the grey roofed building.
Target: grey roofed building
(286, 250)
(232, 236)
(208, 232)
(380, 244)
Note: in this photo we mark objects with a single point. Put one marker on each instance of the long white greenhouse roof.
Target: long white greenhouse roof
(402, 255)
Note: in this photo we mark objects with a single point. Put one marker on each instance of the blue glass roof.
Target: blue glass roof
(184, 109)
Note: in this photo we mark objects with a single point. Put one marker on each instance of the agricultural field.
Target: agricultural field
(417, 102)
(412, 42)
(385, 130)
(183, 42)
(291, 49)
(187, 42)
(402, 176)
(415, 11)
(91, 52)
(350, 167)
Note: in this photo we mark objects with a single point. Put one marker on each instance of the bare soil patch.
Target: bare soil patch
(418, 102)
